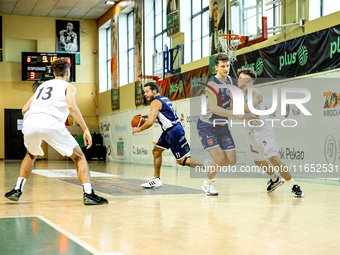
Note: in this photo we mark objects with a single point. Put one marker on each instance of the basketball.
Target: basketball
(137, 121)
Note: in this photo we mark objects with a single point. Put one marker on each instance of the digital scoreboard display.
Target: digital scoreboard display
(37, 66)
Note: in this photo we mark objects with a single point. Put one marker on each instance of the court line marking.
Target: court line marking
(70, 236)
(66, 233)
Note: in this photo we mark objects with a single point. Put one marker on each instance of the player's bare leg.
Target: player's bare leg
(266, 167)
(27, 165)
(82, 167)
(157, 161)
(25, 171)
(283, 169)
(83, 171)
(230, 157)
(190, 162)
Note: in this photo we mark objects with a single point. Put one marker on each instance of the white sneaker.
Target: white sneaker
(154, 182)
(209, 189)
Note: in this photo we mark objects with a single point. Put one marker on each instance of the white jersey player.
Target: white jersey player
(262, 137)
(44, 116)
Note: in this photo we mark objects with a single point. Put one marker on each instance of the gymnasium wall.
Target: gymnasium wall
(41, 32)
(288, 16)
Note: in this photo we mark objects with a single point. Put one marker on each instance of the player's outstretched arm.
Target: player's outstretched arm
(75, 112)
(27, 105)
(256, 98)
(155, 106)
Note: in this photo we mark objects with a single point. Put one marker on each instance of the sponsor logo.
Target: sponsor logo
(120, 148)
(331, 106)
(303, 55)
(334, 47)
(291, 154)
(290, 58)
(140, 150)
(210, 141)
(330, 149)
(258, 66)
(119, 128)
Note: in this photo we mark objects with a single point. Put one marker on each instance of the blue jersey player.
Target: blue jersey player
(216, 137)
(173, 136)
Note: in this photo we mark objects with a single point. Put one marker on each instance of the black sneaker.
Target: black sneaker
(274, 185)
(94, 199)
(297, 191)
(14, 194)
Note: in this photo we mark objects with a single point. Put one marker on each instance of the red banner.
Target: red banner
(184, 85)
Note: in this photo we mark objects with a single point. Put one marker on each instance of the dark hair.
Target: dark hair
(221, 57)
(152, 85)
(60, 67)
(215, 3)
(248, 71)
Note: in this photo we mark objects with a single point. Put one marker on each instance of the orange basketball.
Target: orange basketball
(137, 121)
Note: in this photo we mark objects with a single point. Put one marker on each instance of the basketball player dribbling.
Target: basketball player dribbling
(173, 136)
(262, 138)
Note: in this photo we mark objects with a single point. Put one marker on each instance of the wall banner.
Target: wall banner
(312, 53)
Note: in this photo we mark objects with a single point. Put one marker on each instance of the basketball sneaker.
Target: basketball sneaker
(297, 191)
(209, 189)
(94, 199)
(154, 182)
(273, 185)
(14, 194)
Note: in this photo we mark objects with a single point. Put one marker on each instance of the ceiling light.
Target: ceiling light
(110, 2)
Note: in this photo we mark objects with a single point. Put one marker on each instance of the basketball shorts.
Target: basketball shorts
(262, 143)
(175, 140)
(39, 127)
(212, 137)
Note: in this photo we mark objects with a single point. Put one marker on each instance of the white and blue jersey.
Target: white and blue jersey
(167, 116)
(224, 95)
(173, 136)
(213, 135)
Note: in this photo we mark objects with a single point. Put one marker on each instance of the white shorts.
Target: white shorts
(262, 143)
(39, 127)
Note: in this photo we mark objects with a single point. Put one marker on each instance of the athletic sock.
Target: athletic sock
(207, 181)
(291, 182)
(87, 188)
(20, 183)
(273, 177)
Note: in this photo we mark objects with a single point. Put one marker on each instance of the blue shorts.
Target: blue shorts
(215, 136)
(175, 140)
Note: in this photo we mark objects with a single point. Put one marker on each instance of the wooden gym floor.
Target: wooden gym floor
(176, 219)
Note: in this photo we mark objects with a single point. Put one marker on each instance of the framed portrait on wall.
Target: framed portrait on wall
(68, 41)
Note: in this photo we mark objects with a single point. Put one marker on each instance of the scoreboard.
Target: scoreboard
(37, 66)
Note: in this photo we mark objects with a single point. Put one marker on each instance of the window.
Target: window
(200, 29)
(320, 8)
(108, 58)
(246, 16)
(104, 54)
(131, 47)
(161, 38)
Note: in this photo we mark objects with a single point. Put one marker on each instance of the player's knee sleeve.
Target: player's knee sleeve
(185, 160)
